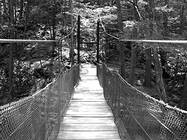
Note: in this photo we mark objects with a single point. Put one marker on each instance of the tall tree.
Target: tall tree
(148, 52)
(182, 16)
(72, 35)
(11, 60)
(165, 21)
(120, 44)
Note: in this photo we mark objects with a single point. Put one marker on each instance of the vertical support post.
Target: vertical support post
(78, 39)
(98, 23)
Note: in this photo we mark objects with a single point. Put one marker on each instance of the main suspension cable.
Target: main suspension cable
(141, 40)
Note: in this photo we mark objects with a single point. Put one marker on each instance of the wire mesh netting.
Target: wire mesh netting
(38, 117)
(144, 117)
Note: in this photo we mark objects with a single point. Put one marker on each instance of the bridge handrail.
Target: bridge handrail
(26, 41)
(155, 41)
(140, 40)
(37, 117)
(142, 115)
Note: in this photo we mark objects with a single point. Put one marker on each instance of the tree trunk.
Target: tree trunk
(54, 20)
(53, 34)
(165, 22)
(15, 10)
(159, 79)
(98, 39)
(120, 22)
(6, 10)
(26, 17)
(133, 64)
(78, 38)
(183, 103)
(11, 61)
(120, 44)
(136, 15)
(133, 56)
(1, 13)
(158, 66)
(148, 74)
(182, 17)
(21, 10)
(71, 42)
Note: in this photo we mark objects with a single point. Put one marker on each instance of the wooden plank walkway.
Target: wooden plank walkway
(88, 116)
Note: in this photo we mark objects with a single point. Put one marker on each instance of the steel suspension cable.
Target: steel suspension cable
(36, 41)
(142, 40)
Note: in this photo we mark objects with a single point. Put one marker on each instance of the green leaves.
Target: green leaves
(164, 9)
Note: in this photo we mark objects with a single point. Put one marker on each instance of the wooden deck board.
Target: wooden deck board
(82, 135)
(88, 120)
(88, 127)
(88, 116)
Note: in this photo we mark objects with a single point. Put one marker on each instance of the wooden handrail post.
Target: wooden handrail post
(78, 39)
(98, 38)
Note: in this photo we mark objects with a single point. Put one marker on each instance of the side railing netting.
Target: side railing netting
(144, 117)
(38, 117)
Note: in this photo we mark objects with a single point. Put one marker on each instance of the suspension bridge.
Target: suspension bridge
(75, 106)
(91, 102)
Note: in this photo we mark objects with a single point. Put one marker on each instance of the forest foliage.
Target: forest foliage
(143, 19)
(29, 64)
